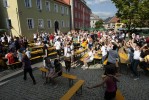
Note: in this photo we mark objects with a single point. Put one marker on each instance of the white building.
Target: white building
(93, 19)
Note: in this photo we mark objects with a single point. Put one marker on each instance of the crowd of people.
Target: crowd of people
(111, 44)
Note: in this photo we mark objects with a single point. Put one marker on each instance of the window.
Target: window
(5, 2)
(30, 23)
(79, 15)
(49, 24)
(8, 23)
(66, 9)
(40, 23)
(76, 4)
(28, 3)
(75, 14)
(63, 24)
(39, 4)
(62, 9)
(47, 4)
(55, 8)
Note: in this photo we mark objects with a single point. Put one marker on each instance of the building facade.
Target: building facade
(93, 19)
(80, 14)
(25, 17)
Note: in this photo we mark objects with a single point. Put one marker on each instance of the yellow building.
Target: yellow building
(25, 17)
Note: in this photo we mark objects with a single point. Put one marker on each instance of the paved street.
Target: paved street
(18, 89)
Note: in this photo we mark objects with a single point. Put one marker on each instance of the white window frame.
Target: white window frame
(41, 25)
(62, 10)
(48, 7)
(5, 3)
(32, 21)
(39, 5)
(63, 23)
(56, 7)
(28, 3)
(48, 23)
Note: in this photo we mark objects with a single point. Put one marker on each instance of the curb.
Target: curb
(19, 72)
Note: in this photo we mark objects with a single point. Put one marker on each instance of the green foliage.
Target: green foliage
(99, 24)
(134, 13)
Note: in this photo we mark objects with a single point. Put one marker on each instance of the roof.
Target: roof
(114, 20)
(63, 2)
(107, 20)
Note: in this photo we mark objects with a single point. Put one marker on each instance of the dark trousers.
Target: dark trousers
(68, 65)
(134, 66)
(30, 73)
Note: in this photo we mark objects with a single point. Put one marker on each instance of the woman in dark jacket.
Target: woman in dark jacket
(26, 63)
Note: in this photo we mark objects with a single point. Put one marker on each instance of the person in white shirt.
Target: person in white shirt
(136, 61)
(35, 37)
(88, 59)
(68, 57)
(104, 52)
(58, 48)
(28, 53)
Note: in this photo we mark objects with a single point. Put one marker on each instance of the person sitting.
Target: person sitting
(88, 59)
(57, 71)
(10, 57)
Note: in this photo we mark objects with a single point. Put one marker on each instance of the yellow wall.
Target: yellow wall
(18, 14)
(34, 13)
(10, 13)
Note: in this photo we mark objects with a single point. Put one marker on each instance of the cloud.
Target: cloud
(92, 2)
(103, 15)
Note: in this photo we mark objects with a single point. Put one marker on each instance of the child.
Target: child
(110, 81)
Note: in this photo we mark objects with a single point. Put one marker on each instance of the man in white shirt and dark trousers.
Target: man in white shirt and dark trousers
(58, 48)
(135, 62)
(68, 57)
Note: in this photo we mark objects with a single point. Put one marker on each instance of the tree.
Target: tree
(133, 12)
(99, 24)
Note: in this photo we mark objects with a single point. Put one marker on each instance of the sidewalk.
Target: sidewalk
(8, 74)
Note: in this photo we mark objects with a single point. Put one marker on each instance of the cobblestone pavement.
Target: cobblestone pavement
(18, 89)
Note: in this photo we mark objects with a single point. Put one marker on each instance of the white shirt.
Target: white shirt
(2, 38)
(72, 49)
(136, 55)
(35, 36)
(57, 45)
(28, 53)
(68, 52)
(104, 51)
(91, 55)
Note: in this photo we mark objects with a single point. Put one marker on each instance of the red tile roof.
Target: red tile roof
(63, 2)
(114, 20)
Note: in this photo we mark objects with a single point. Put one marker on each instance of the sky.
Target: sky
(102, 8)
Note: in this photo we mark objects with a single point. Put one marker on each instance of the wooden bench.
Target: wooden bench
(13, 65)
(35, 58)
(44, 71)
(119, 95)
(70, 78)
(74, 89)
(53, 53)
(65, 75)
(36, 52)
